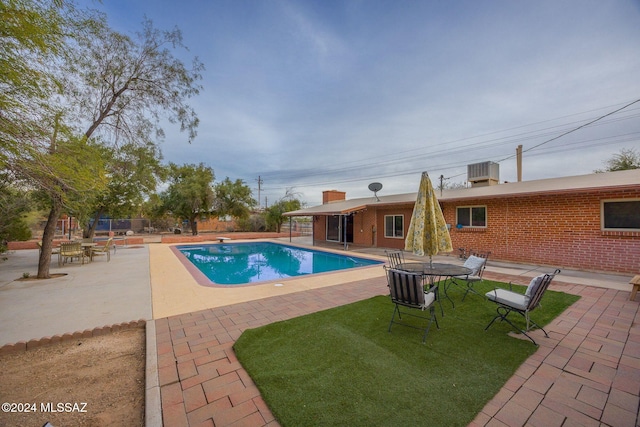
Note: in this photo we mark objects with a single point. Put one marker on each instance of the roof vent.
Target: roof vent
(482, 174)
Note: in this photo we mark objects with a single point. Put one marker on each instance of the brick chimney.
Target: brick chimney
(333, 196)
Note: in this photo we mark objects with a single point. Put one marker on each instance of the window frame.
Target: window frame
(470, 208)
(603, 214)
(394, 236)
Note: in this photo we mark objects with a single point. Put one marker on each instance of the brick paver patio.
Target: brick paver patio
(586, 373)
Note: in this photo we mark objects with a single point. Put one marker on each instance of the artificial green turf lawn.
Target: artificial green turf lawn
(341, 367)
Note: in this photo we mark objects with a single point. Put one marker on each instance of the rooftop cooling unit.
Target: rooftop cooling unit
(485, 173)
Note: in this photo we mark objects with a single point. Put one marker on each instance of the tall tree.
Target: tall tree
(14, 204)
(275, 213)
(190, 193)
(125, 86)
(233, 198)
(114, 91)
(134, 171)
(626, 159)
(31, 35)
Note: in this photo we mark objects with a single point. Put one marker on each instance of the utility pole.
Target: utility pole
(259, 188)
(519, 162)
(442, 178)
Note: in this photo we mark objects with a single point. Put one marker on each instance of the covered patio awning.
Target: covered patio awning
(345, 208)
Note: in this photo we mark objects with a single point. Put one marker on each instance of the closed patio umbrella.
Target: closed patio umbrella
(428, 233)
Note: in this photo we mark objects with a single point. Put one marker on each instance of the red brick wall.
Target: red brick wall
(368, 227)
(29, 244)
(33, 244)
(386, 242)
(212, 237)
(364, 226)
(319, 228)
(333, 196)
(213, 224)
(557, 230)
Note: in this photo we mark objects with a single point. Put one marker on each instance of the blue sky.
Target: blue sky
(318, 95)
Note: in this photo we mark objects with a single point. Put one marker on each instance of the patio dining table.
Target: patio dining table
(436, 273)
(86, 247)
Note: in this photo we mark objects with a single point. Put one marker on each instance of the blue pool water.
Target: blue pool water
(239, 263)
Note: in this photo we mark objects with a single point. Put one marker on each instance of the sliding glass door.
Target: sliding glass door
(335, 228)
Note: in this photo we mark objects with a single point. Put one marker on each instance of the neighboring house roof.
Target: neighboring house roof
(571, 184)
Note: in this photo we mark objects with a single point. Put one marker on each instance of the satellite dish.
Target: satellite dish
(375, 187)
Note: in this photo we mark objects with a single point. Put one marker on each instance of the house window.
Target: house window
(394, 226)
(621, 215)
(471, 216)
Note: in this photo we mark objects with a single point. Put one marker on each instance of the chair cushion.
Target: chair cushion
(429, 298)
(475, 263)
(509, 298)
(533, 286)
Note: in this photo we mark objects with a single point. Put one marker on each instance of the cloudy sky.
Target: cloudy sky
(317, 95)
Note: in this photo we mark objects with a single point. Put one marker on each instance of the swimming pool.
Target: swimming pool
(240, 263)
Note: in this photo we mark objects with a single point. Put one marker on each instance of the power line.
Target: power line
(277, 175)
(463, 163)
(574, 130)
(447, 149)
(495, 142)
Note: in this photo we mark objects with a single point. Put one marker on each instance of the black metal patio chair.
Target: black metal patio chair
(395, 258)
(406, 290)
(523, 304)
(477, 263)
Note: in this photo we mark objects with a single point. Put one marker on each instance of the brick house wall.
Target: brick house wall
(319, 228)
(559, 230)
(364, 229)
(368, 226)
(392, 242)
(556, 226)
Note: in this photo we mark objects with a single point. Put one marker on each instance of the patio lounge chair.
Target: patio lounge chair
(395, 258)
(71, 250)
(102, 250)
(406, 290)
(477, 263)
(510, 301)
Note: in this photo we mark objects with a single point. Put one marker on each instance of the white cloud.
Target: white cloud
(318, 95)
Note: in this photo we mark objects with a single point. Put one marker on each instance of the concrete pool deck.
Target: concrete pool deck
(176, 290)
(140, 282)
(588, 372)
(88, 296)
